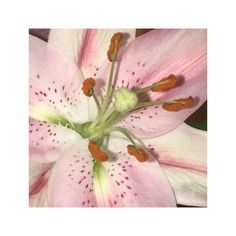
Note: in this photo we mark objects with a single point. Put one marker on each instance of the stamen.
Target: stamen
(96, 152)
(88, 84)
(114, 46)
(179, 104)
(112, 53)
(139, 153)
(164, 84)
(161, 86)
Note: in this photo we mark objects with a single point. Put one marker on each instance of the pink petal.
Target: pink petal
(183, 155)
(37, 173)
(184, 147)
(47, 141)
(125, 182)
(158, 54)
(39, 198)
(88, 48)
(38, 177)
(158, 121)
(137, 184)
(71, 180)
(55, 85)
(190, 186)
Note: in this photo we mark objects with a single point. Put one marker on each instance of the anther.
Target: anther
(139, 153)
(96, 152)
(164, 84)
(178, 104)
(114, 46)
(88, 84)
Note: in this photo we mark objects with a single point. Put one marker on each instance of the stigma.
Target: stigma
(125, 100)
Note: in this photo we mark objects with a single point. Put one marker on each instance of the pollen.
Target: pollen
(179, 104)
(88, 84)
(115, 45)
(164, 84)
(96, 152)
(139, 153)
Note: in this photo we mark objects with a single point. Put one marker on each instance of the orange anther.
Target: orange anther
(114, 45)
(87, 85)
(164, 84)
(139, 153)
(96, 152)
(179, 104)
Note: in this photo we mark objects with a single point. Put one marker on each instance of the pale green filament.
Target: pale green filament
(109, 89)
(109, 85)
(99, 111)
(148, 88)
(123, 131)
(97, 103)
(154, 103)
(142, 90)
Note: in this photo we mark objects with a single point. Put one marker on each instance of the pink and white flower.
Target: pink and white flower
(63, 120)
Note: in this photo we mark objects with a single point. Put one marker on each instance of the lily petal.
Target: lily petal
(38, 177)
(88, 48)
(55, 85)
(184, 147)
(121, 181)
(37, 173)
(38, 197)
(158, 54)
(47, 141)
(71, 179)
(190, 186)
(183, 155)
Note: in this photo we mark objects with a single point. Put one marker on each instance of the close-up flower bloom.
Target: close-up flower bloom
(106, 118)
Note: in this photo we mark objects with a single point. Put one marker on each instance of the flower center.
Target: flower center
(125, 101)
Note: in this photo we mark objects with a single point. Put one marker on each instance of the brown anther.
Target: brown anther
(88, 84)
(164, 84)
(179, 104)
(96, 152)
(114, 45)
(139, 153)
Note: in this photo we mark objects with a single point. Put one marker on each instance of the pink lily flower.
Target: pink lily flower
(78, 140)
